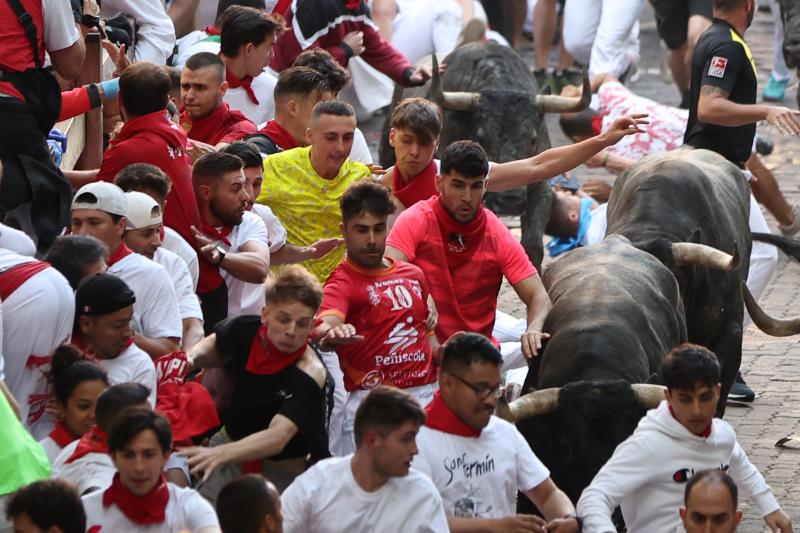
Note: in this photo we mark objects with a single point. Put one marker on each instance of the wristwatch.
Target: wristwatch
(90, 21)
(221, 251)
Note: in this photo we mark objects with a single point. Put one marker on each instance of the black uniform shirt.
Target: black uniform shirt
(722, 59)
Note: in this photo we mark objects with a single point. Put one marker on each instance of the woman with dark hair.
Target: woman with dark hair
(76, 382)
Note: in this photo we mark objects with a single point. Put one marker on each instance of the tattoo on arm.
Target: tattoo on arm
(709, 90)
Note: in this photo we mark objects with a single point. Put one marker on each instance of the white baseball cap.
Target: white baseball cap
(102, 196)
(143, 211)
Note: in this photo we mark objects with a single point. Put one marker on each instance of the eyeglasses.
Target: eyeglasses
(483, 392)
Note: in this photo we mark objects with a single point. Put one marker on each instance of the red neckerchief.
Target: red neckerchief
(212, 30)
(246, 83)
(706, 432)
(13, 278)
(352, 4)
(214, 127)
(218, 234)
(121, 252)
(93, 441)
(460, 240)
(597, 124)
(440, 417)
(412, 190)
(266, 358)
(143, 510)
(279, 135)
(61, 435)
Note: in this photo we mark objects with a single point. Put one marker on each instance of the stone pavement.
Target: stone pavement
(770, 365)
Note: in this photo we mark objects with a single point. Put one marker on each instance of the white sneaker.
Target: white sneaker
(794, 227)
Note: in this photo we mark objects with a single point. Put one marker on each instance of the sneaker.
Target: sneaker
(794, 227)
(542, 78)
(740, 392)
(775, 90)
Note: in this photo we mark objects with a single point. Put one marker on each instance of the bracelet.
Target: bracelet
(605, 159)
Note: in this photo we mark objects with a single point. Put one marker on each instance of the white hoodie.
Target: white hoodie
(648, 472)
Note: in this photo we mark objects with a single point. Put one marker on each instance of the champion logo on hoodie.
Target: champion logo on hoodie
(685, 474)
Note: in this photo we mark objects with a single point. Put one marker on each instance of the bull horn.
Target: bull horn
(767, 324)
(689, 253)
(458, 101)
(535, 403)
(549, 103)
(649, 396)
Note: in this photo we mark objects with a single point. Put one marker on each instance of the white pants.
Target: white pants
(603, 34)
(331, 361)
(763, 257)
(423, 394)
(37, 318)
(507, 330)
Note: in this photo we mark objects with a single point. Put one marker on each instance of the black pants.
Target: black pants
(29, 174)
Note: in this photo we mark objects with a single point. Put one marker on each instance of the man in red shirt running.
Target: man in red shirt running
(374, 310)
(205, 117)
(466, 251)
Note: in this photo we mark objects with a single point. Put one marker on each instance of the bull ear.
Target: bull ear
(661, 249)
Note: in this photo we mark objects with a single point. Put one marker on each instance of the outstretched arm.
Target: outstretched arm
(555, 161)
(531, 291)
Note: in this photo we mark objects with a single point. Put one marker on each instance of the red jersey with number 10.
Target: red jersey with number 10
(388, 306)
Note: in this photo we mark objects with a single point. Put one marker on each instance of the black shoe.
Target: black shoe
(686, 100)
(740, 392)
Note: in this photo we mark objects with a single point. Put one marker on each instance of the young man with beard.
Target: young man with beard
(232, 242)
(298, 90)
(103, 317)
(140, 498)
(143, 236)
(477, 461)
(98, 209)
(85, 462)
(465, 251)
(711, 499)
(247, 37)
(148, 136)
(645, 475)
(374, 312)
(303, 186)
(374, 488)
(206, 117)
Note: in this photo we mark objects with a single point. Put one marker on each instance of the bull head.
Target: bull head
(767, 324)
(466, 101)
(542, 402)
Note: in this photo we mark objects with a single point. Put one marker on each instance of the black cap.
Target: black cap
(102, 294)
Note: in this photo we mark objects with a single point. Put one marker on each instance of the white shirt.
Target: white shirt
(186, 511)
(156, 307)
(17, 241)
(479, 477)
(59, 26)
(597, 226)
(640, 476)
(194, 43)
(93, 471)
(263, 86)
(188, 304)
(327, 499)
(360, 150)
(253, 295)
(252, 228)
(155, 33)
(51, 448)
(176, 244)
(131, 366)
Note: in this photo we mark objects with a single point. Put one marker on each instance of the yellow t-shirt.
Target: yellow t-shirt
(306, 203)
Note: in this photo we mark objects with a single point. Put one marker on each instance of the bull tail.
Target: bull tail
(789, 246)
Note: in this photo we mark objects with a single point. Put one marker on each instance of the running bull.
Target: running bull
(617, 311)
(488, 95)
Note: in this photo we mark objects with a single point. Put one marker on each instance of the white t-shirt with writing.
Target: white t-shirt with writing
(176, 244)
(327, 499)
(252, 228)
(156, 307)
(131, 366)
(186, 511)
(188, 304)
(479, 477)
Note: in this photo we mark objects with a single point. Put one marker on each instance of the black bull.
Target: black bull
(616, 312)
(499, 109)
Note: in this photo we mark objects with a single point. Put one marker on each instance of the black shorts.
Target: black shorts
(672, 18)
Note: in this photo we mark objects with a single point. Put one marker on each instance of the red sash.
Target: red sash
(13, 278)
